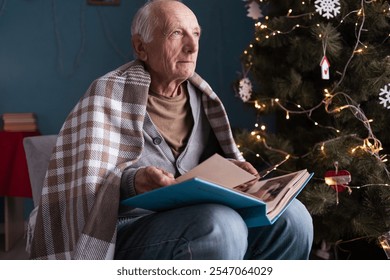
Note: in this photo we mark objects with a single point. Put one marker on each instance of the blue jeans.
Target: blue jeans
(212, 231)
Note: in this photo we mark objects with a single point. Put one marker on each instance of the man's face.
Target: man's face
(172, 54)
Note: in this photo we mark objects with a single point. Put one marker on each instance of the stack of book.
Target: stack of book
(19, 122)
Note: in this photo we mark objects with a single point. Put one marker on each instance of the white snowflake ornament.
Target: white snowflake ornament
(384, 96)
(327, 8)
(245, 89)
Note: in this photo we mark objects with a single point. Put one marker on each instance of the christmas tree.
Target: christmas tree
(321, 70)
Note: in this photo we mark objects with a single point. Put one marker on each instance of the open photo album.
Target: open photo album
(218, 180)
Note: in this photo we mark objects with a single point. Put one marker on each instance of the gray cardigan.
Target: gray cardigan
(156, 152)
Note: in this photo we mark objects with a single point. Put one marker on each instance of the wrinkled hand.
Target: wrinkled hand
(250, 169)
(150, 177)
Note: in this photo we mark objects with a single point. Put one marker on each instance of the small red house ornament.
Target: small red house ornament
(325, 68)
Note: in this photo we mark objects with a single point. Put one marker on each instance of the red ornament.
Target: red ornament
(338, 179)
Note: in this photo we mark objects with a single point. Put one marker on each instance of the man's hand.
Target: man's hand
(150, 177)
(250, 169)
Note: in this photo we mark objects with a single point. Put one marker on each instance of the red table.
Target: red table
(14, 183)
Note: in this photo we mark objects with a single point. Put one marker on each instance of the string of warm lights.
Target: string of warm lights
(370, 144)
(369, 185)
(271, 167)
(355, 49)
(327, 101)
(308, 113)
(259, 26)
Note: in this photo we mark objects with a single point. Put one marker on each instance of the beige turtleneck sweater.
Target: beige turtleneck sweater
(173, 118)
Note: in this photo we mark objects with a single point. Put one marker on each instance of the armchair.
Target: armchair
(38, 150)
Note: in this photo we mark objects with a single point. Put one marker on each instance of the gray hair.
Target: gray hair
(144, 22)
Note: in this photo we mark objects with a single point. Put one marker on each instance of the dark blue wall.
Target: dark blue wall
(51, 50)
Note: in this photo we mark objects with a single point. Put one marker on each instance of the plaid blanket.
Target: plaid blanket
(102, 136)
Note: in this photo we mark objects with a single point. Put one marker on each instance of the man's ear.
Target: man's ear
(139, 47)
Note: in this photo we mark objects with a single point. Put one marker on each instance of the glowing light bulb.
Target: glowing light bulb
(327, 94)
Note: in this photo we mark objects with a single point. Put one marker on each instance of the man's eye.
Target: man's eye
(177, 33)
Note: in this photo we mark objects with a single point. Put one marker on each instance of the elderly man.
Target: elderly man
(135, 130)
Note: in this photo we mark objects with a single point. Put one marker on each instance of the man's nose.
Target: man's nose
(191, 44)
